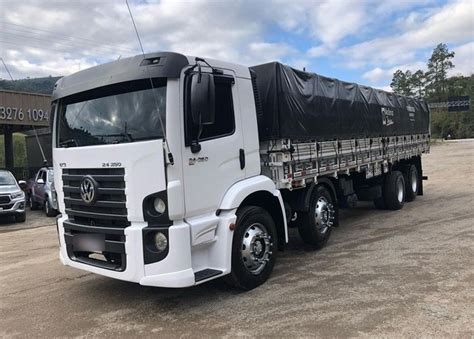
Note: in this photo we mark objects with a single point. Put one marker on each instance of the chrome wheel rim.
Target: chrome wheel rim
(256, 248)
(400, 191)
(323, 215)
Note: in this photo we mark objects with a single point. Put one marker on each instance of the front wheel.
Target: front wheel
(316, 224)
(253, 248)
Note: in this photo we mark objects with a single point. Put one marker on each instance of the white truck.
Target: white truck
(173, 170)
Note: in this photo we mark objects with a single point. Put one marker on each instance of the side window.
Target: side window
(38, 176)
(43, 175)
(224, 119)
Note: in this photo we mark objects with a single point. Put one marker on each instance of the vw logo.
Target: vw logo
(88, 189)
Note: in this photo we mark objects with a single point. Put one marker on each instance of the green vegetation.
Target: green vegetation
(35, 85)
(19, 151)
(435, 86)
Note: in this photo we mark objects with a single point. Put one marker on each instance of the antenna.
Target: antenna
(3, 62)
(170, 155)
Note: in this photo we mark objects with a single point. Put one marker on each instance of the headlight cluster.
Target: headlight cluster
(19, 194)
(159, 205)
(161, 241)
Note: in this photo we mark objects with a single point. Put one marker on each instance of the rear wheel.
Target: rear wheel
(411, 183)
(253, 248)
(316, 224)
(394, 190)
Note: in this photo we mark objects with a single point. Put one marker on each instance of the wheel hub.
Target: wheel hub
(324, 215)
(256, 248)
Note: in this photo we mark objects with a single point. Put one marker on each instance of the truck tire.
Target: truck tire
(50, 212)
(253, 248)
(411, 183)
(316, 224)
(32, 203)
(394, 190)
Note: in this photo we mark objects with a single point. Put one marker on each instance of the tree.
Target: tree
(401, 82)
(418, 81)
(438, 66)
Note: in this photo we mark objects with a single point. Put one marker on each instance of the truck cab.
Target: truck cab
(155, 158)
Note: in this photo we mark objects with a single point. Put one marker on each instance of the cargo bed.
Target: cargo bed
(294, 164)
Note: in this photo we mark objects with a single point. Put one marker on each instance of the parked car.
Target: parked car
(12, 198)
(41, 192)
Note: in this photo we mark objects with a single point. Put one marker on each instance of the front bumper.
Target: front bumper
(16, 206)
(175, 270)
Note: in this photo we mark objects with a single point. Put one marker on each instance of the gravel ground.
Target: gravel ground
(407, 273)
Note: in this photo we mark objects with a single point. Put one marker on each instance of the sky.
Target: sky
(362, 41)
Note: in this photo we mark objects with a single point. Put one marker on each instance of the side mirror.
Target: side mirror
(203, 99)
(22, 184)
(40, 181)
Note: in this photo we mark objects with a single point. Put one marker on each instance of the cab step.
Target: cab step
(206, 274)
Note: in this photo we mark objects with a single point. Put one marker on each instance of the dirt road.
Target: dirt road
(403, 273)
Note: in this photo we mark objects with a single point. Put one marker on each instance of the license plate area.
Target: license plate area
(96, 246)
(89, 242)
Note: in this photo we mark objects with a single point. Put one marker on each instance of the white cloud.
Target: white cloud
(318, 51)
(378, 77)
(374, 75)
(73, 35)
(463, 60)
(451, 23)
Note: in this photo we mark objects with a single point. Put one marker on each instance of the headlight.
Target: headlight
(161, 242)
(19, 194)
(159, 205)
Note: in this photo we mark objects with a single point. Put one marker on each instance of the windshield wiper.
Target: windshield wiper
(68, 143)
(127, 136)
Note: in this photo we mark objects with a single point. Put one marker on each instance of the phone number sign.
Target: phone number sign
(18, 108)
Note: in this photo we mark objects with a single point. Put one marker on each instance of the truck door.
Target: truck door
(209, 173)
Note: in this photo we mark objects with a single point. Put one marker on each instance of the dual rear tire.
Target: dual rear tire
(398, 187)
(316, 224)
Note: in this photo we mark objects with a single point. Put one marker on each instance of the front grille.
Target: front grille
(4, 199)
(109, 210)
(107, 216)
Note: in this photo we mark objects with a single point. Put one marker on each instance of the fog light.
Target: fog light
(159, 205)
(161, 242)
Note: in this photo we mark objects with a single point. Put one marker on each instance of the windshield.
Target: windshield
(121, 113)
(7, 179)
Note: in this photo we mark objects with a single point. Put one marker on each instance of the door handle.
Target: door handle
(242, 158)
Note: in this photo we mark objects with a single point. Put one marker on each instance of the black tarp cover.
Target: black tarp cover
(300, 105)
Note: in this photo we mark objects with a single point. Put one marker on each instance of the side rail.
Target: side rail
(290, 162)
